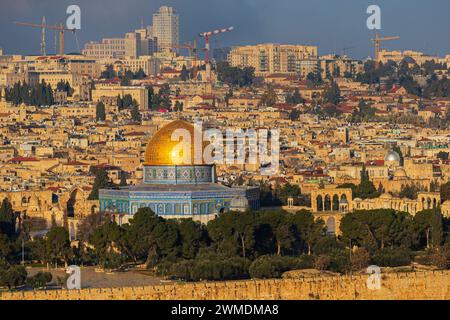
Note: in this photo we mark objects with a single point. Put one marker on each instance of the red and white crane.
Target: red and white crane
(207, 35)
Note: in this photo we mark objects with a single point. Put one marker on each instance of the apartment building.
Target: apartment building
(398, 56)
(113, 48)
(140, 94)
(166, 28)
(275, 58)
(149, 64)
(339, 66)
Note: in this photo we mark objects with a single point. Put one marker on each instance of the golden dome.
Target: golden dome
(162, 150)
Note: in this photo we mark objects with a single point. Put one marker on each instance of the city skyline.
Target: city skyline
(325, 24)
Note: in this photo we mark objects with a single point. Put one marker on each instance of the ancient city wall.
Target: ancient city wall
(420, 285)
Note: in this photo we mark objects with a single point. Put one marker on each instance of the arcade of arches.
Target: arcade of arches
(331, 203)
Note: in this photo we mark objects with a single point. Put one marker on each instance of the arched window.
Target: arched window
(327, 203)
(335, 206)
(319, 203)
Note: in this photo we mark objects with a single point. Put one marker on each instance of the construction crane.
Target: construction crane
(193, 52)
(60, 28)
(43, 40)
(377, 42)
(207, 36)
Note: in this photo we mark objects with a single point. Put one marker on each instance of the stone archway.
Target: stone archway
(319, 203)
(327, 203)
(328, 199)
(335, 203)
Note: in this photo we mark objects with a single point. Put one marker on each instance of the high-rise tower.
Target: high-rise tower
(166, 28)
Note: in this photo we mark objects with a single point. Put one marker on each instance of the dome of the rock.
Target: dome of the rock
(164, 147)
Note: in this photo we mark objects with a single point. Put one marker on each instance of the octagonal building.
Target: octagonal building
(175, 189)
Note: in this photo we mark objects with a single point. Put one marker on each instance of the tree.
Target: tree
(65, 87)
(5, 246)
(127, 101)
(297, 98)
(230, 238)
(228, 96)
(269, 98)
(178, 106)
(58, 244)
(139, 234)
(184, 74)
(7, 218)
(140, 74)
(39, 280)
(314, 78)
(360, 259)
(108, 243)
(90, 223)
(442, 155)
(309, 230)
(13, 276)
(409, 191)
(151, 94)
(125, 81)
(445, 192)
(269, 267)
(100, 111)
(364, 112)
(377, 229)
(332, 93)
(289, 191)
(282, 229)
(193, 237)
(429, 227)
(136, 113)
(39, 95)
(101, 181)
(109, 73)
(245, 229)
(366, 189)
(294, 115)
(123, 179)
(235, 76)
(330, 110)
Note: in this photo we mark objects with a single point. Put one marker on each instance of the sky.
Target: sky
(330, 24)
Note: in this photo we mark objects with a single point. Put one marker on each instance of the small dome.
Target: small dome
(239, 203)
(400, 173)
(392, 156)
(385, 196)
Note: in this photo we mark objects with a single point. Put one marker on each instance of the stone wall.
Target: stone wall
(420, 285)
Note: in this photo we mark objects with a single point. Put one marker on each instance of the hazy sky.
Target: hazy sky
(330, 24)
